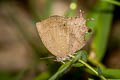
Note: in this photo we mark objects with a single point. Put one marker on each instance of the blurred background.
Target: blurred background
(21, 47)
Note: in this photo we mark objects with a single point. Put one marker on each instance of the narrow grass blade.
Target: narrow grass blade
(66, 66)
(115, 2)
(109, 73)
(112, 73)
(77, 65)
(102, 14)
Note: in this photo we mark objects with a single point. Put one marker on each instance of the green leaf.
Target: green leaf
(113, 79)
(78, 56)
(109, 73)
(77, 65)
(115, 2)
(66, 66)
(102, 14)
(99, 71)
(84, 56)
(61, 70)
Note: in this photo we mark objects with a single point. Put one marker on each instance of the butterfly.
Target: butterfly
(63, 35)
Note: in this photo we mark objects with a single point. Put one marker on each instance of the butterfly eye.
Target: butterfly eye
(89, 30)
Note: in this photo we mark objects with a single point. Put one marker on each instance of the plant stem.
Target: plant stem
(89, 67)
(96, 63)
(92, 69)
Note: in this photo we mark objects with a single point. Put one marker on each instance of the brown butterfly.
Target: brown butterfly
(63, 35)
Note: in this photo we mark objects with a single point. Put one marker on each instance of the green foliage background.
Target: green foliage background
(102, 13)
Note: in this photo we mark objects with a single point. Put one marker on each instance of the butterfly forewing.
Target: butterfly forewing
(54, 35)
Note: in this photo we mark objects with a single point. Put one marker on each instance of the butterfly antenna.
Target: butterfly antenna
(81, 13)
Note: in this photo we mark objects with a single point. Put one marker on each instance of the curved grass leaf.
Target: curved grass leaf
(112, 73)
(115, 2)
(113, 79)
(109, 73)
(99, 71)
(102, 14)
(84, 56)
(66, 66)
